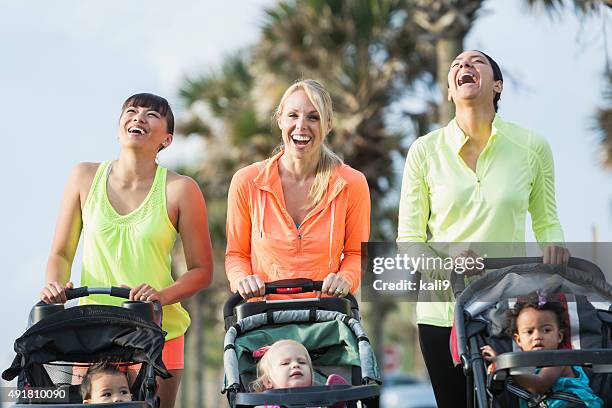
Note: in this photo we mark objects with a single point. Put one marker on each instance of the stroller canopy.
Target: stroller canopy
(520, 280)
(487, 298)
(88, 334)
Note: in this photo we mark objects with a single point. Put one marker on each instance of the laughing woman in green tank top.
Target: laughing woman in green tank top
(130, 212)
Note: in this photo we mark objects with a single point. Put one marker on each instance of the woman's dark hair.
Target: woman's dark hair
(538, 302)
(497, 76)
(151, 101)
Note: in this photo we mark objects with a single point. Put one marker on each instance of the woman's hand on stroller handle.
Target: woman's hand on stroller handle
(144, 292)
(55, 292)
(468, 260)
(335, 285)
(555, 254)
(251, 286)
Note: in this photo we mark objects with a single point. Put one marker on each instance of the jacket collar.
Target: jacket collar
(456, 138)
(269, 180)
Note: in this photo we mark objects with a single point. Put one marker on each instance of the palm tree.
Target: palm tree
(603, 123)
(583, 7)
(446, 23)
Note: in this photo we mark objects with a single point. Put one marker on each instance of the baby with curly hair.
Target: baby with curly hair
(540, 324)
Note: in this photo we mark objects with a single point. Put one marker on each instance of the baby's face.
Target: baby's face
(289, 368)
(108, 387)
(537, 330)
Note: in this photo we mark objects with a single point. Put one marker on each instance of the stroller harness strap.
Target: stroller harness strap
(539, 400)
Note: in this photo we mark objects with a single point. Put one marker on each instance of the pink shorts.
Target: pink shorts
(173, 354)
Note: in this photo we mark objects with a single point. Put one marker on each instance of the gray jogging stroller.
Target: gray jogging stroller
(329, 328)
(480, 318)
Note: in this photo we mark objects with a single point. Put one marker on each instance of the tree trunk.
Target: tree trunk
(184, 395)
(199, 362)
(446, 50)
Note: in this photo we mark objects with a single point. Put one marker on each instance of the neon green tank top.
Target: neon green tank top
(130, 249)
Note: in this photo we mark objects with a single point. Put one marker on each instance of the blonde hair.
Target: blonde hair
(264, 366)
(328, 160)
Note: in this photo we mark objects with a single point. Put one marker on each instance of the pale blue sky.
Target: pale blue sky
(67, 67)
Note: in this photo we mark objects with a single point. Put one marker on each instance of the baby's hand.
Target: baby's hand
(488, 353)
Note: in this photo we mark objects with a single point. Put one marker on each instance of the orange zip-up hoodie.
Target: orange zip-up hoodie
(263, 239)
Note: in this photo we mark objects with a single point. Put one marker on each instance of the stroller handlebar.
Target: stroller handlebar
(284, 287)
(85, 291)
(576, 263)
(150, 310)
(292, 286)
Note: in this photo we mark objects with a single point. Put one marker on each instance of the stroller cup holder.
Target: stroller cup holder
(43, 310)
(149, 310)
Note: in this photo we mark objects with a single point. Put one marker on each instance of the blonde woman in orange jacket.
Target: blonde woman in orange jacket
(302, 213)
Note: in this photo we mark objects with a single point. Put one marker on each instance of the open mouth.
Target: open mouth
(136, 130)
(296, 374)
(300, 140)
(466, 79)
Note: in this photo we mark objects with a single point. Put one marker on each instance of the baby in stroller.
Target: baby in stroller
(539, 323)
(105, 382)
(287, 364)
(481, 317)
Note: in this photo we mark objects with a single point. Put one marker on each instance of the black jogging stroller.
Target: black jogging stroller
(61, 343)
(480, 318)
(329, 328)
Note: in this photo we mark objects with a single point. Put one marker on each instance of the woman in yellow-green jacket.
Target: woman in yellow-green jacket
(474, 181)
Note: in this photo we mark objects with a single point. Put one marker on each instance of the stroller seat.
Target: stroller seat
(328, 328)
